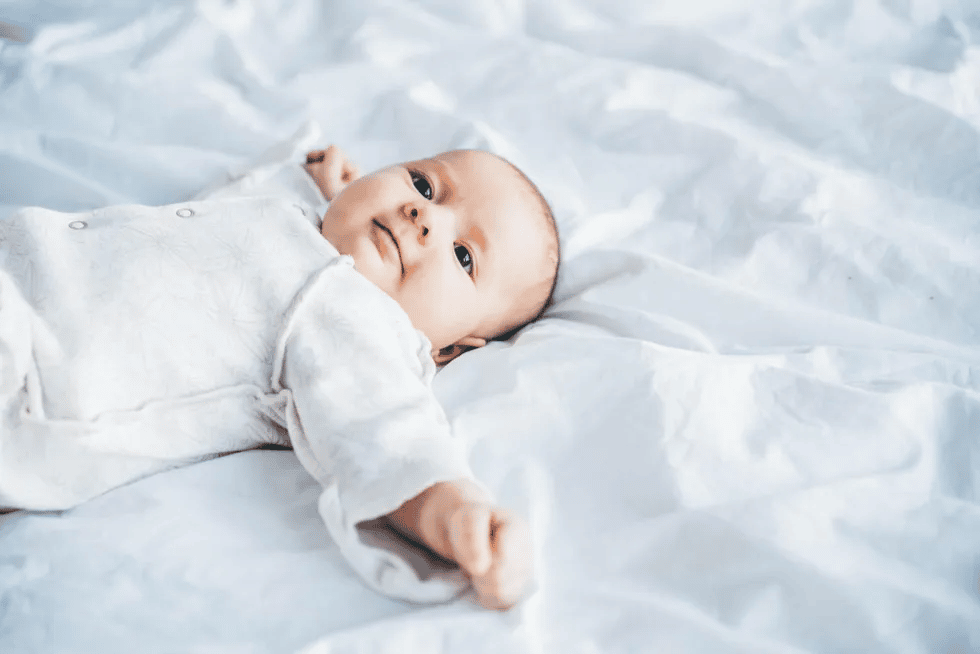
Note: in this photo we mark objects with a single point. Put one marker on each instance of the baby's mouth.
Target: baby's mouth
(398, 249)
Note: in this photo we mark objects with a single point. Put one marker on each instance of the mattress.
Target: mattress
(749, 422)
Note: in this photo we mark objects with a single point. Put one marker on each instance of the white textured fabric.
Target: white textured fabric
(276, 172)
(161, 336)
(747, 426)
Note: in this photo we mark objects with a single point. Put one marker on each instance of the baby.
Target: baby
(134, 339)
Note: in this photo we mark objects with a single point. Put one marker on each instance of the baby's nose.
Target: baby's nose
(411, 214)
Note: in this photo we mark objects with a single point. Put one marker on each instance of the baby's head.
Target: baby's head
(463, 241)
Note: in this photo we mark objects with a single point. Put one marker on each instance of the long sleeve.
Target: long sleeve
(364, 422)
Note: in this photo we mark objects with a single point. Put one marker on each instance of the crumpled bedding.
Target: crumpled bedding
(748, 424)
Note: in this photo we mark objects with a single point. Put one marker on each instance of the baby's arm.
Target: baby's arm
(459, 521)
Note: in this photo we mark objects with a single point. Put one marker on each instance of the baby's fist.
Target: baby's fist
(458, 521)
(331, 169)
(493, 547)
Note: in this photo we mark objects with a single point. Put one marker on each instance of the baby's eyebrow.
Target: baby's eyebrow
(448, 180)
(481, 241)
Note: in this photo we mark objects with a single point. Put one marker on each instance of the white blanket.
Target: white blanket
(748, 424)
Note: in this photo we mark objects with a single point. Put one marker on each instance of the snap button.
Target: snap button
(78, 224)
(301, 209)
(185, 212)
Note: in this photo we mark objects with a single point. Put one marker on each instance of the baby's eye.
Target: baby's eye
(464, 258)
(422, 185)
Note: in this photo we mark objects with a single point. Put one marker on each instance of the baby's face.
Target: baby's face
(458, 240)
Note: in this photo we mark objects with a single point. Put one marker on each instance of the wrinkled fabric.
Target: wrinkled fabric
(748, 425)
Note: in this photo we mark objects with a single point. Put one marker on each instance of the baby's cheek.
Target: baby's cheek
(414, 302)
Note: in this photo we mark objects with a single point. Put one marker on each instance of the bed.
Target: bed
(749, 423)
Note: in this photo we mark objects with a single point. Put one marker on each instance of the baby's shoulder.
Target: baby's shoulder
(361, 322)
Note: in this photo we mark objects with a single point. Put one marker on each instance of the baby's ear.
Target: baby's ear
(332, 170)
(450, 352)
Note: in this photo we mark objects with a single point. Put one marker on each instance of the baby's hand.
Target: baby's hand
(331, 169)
(458, 521)
(493, 547)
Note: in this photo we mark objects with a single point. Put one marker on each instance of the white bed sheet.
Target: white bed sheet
(748, 424)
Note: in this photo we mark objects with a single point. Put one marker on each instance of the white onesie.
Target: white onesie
(134, 339)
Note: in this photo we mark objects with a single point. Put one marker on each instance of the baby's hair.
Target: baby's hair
(552, 225)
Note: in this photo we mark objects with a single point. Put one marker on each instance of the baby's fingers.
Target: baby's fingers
(331, 169)
(315, 156)
(469, 536)
(508, 578)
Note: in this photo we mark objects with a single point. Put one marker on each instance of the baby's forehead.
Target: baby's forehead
(479, 170)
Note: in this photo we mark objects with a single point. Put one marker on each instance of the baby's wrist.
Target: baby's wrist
(440, 502)
(446, 497)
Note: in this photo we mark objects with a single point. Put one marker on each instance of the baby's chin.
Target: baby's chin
(337, 241)
(373, 268)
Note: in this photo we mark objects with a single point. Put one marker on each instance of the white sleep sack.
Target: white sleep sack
(134, 339)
